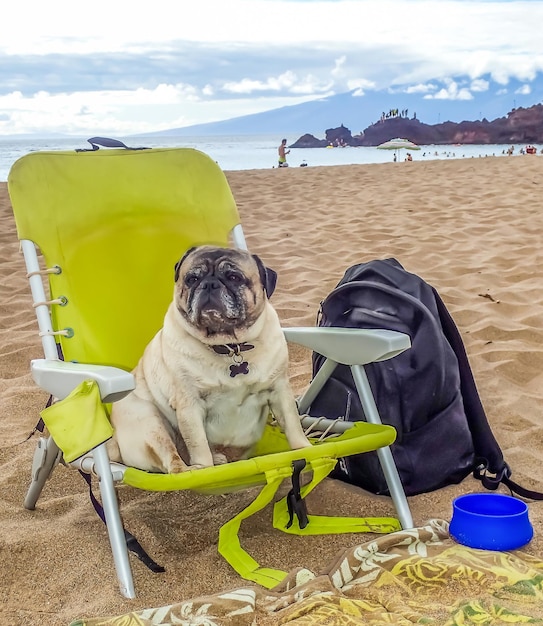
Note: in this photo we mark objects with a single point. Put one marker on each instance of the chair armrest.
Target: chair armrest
(350, 346)
(59, 378)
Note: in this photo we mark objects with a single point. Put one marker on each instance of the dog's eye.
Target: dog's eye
(190, 279)
(234, 278)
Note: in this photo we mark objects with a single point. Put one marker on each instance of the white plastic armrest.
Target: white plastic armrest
(350, 346)
(59, 378)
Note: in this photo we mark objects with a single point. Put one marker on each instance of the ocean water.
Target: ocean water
(251, 152)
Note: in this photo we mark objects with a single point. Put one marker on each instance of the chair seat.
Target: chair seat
(271, 453)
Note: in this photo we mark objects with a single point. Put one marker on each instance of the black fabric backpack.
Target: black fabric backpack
(427, 393)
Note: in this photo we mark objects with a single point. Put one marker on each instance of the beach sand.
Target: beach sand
(472, 228)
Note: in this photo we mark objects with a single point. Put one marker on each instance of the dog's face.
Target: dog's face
(221, 292)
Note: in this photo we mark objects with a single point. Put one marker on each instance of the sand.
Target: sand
(472, 228)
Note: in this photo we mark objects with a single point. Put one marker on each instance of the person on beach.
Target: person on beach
(283, 153)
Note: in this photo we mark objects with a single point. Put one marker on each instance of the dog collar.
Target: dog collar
(234, 350)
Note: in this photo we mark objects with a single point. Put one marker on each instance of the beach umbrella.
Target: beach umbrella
(398, 144)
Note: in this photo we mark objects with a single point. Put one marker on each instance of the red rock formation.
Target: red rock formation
(520, 126)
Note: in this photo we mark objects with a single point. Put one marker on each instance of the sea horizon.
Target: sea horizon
(245, 152)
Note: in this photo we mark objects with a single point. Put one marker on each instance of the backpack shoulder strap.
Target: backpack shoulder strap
(489, 456)
(484, 442)
(493, 481)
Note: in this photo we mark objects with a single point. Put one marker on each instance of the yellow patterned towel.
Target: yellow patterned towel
(410, 577)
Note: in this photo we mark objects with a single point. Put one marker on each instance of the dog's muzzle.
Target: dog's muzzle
(215, 307)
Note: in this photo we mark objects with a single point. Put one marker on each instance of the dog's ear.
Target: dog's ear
(268, 277)
(177, 266)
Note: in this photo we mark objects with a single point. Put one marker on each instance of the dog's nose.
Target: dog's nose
(211, 283)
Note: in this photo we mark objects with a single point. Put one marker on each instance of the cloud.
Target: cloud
(285, 81)
(360, 86)
(451, 92)
(479, 85)
(338, 66)
(84, 111)
(524, 90)
(288, 82)
(421, 88)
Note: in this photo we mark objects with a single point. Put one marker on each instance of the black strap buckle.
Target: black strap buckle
(491, 481)
(503, 477)
(295, 503)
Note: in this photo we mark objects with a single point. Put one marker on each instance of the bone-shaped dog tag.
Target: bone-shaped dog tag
(239, 368)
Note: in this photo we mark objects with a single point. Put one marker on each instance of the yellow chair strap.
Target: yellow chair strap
(230, 547)
(229, 544)
(322, 524)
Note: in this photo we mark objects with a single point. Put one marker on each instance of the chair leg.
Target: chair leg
(113, 522)
(395, 487)
(46, 457)
(386, 459)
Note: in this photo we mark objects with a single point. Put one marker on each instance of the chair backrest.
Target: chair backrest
(116, 222)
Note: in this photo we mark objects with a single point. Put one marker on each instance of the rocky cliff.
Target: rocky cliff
(519, 126)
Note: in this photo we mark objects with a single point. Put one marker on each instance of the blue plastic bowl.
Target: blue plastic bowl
(490, 521)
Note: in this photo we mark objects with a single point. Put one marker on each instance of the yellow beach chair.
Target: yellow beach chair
(103, 230)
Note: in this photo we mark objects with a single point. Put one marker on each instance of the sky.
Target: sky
(123, 67)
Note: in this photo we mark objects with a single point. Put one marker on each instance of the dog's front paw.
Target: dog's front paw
(197, 466)
(200, 459)
(219, 458)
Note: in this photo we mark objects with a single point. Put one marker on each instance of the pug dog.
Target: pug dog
(211, 376)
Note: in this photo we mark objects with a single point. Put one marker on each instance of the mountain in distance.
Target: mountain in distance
(360, 111)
